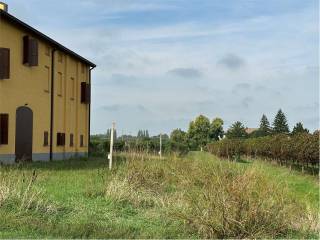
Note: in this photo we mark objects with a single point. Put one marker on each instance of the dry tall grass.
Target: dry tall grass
(214, 199)
(19, 192)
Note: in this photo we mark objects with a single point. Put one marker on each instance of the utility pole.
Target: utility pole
(160, 152)
(111, 145)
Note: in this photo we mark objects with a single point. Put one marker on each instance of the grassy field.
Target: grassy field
(198, 196)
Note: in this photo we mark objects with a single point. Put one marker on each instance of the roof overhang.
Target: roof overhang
(44, 37)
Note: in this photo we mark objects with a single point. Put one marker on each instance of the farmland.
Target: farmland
(196, 196)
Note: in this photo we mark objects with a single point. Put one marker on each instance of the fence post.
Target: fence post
(111, 146)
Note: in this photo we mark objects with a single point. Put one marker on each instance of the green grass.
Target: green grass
(304, 187)
(77, 188)
(74, 204)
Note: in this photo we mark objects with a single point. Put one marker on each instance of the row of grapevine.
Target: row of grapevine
(100, 148)
(301, 149)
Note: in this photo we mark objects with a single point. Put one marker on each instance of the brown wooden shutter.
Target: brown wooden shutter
(26, 50)
(4, 128)
(63, 139)
(4, 63)
(71, 140)
(58, 139)
(81, 141)
(83, 92)
(88, 93)
(45, 139)
(30, 51)
(33, 45)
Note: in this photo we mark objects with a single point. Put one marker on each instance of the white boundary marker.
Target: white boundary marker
(111, 145)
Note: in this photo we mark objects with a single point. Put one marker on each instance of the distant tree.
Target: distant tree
(140, 134)
(108, 135)
(115, 135)
(178, 135)
(280, 124)
(147, 134)
(237, 130)
(298, 128)
(256, 133)
(199, 132)
(178, 142)
(216, 129)
(164, 136)
(264, 128)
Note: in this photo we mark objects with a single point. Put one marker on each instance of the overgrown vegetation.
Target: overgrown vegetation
(197, 196)
(20, 194)
(213, 199)
(300, 150)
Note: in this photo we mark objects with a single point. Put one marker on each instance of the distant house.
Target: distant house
(251, 130)
(44, 95)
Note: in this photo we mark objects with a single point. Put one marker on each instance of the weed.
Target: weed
(215, 199)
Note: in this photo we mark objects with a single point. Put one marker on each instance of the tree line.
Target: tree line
(203, 134)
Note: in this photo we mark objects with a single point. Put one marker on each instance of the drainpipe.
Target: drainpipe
(89, 127)
(52, 102)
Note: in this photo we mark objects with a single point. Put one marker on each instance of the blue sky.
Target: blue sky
(163, 62)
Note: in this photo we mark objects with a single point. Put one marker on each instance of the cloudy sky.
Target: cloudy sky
(163, 62)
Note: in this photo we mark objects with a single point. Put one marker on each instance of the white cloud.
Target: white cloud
(276, 58)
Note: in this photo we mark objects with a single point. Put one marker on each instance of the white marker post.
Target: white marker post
(111, 146)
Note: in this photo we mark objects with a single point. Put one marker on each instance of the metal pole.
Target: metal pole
(111, 145)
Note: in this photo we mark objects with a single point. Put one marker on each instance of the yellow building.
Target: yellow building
(44, 95)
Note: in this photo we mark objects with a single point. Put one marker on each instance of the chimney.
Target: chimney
(3, 7)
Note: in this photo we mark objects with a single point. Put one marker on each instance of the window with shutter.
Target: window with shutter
(83, 92)
(4, 129)
(45, 139)
(63, 139)
(58, 139)
(71, 140)
(81, 141)
(30, 51)
(33, 53)
(4, 63)
(88, 93)
(25, 50)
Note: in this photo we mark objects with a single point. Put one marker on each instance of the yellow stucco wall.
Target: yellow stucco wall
(31, 86)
